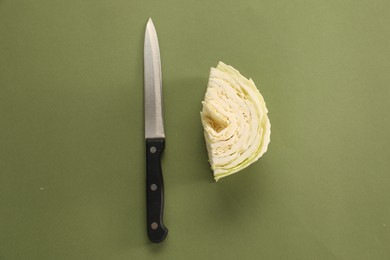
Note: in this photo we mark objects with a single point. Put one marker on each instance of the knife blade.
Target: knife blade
(154, 135)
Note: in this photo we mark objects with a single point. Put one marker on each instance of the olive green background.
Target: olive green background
(71, 130)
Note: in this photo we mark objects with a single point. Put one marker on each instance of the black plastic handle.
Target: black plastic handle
(155, 190)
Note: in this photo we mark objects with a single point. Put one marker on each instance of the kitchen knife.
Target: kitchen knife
(154, 136)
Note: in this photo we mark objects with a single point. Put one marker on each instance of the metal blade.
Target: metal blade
(154, 125)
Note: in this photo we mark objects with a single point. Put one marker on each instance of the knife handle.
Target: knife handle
(155, 190)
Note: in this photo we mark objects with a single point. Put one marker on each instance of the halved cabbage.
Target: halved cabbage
(235, 121)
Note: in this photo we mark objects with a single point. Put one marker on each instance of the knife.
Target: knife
(154, 136)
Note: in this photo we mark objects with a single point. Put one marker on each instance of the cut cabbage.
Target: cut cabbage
(235, 121)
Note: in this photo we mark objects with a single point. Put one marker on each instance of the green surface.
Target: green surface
(71, 130)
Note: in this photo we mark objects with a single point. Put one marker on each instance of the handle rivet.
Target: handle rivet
(154, 225)
(153, 187)
(153, 149)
